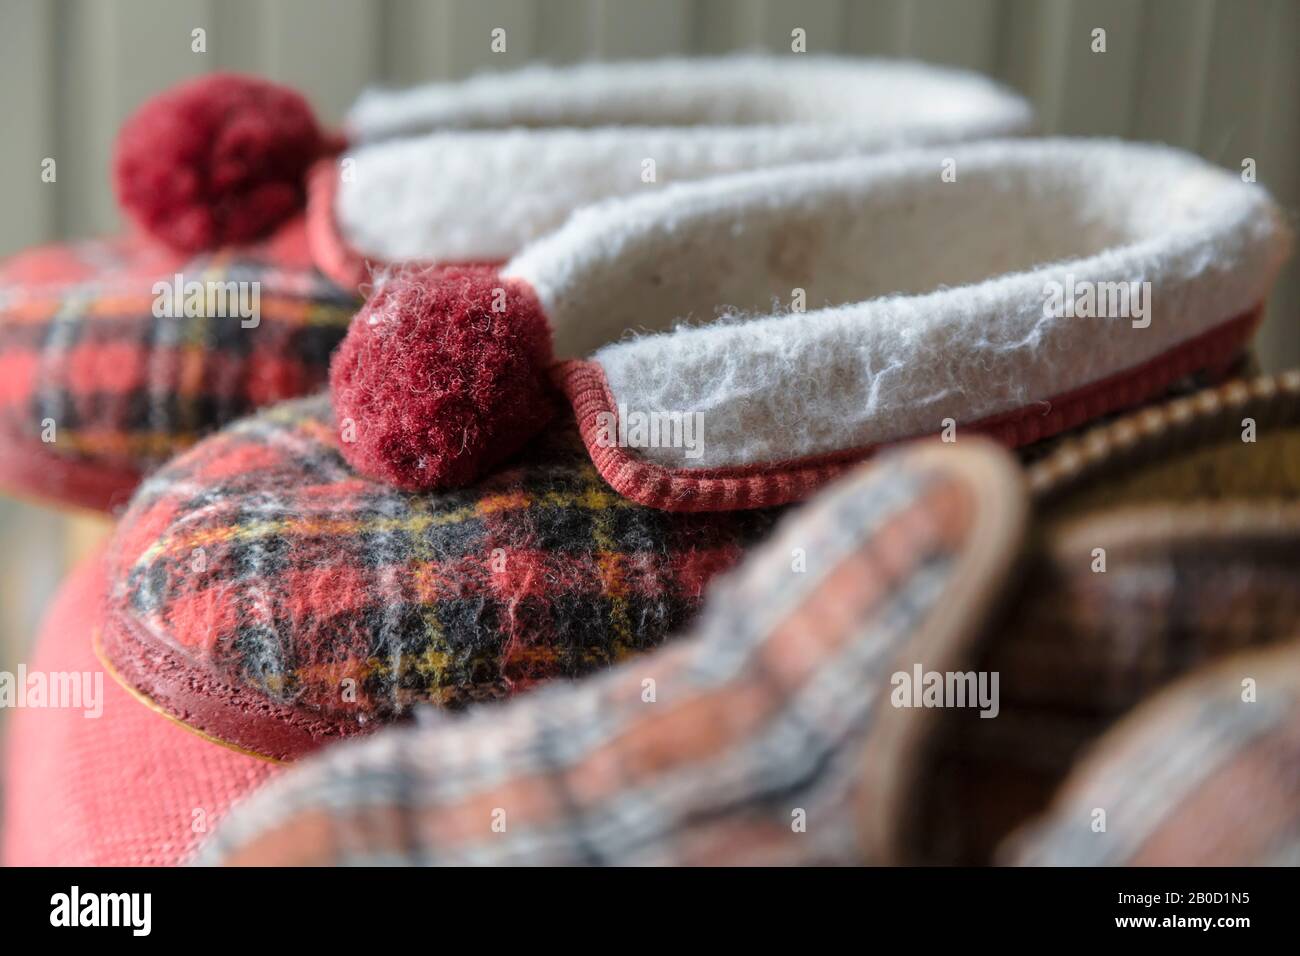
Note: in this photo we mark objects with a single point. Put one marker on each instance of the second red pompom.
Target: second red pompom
(220, 159)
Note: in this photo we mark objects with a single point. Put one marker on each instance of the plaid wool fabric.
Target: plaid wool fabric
(1162, 542)
(259, 562)
(82, 349)
(1201, 536)
(1203, 775)
(1182, 587)
(766, 736)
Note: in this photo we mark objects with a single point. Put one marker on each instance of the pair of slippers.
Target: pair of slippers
(875, 276)
(776, 729)
(472, 509)
(111, 364)
(796, 722)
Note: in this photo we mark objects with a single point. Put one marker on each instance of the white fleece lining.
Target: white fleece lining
(926, 297)
(740, 90)
(511, 155)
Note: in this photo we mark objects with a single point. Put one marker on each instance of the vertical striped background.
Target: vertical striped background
(1217, 76)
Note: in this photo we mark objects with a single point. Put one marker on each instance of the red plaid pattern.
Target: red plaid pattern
(268, 572)
(1203, 774)
(777, 704)
(81, 347)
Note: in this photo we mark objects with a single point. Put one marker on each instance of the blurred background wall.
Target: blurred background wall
(1220, 77)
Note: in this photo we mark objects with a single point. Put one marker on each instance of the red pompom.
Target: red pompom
(220, 159)
(441, 377)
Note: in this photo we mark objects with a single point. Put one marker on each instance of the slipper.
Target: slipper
(1163, 541)
(240, 276)
(96, 390)
(917, 690)
(436, 380)
(265, 595)
(741, 744)
(472, 172)
(862, 301)
(107, 782)
(1219, 750)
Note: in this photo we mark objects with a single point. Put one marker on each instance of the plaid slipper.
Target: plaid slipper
(1162, 541)
(264, 594)
(255, 227)
(1115, 271)
(795, 724)
(753, 740)
(1202, 775)
(98, 779)
(474, 171)
(99, 387)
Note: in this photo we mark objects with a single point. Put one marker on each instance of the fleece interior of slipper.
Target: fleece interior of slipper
(927, 297)
(109, 363)
(482, 167)
(268, 596)
(744, 89)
